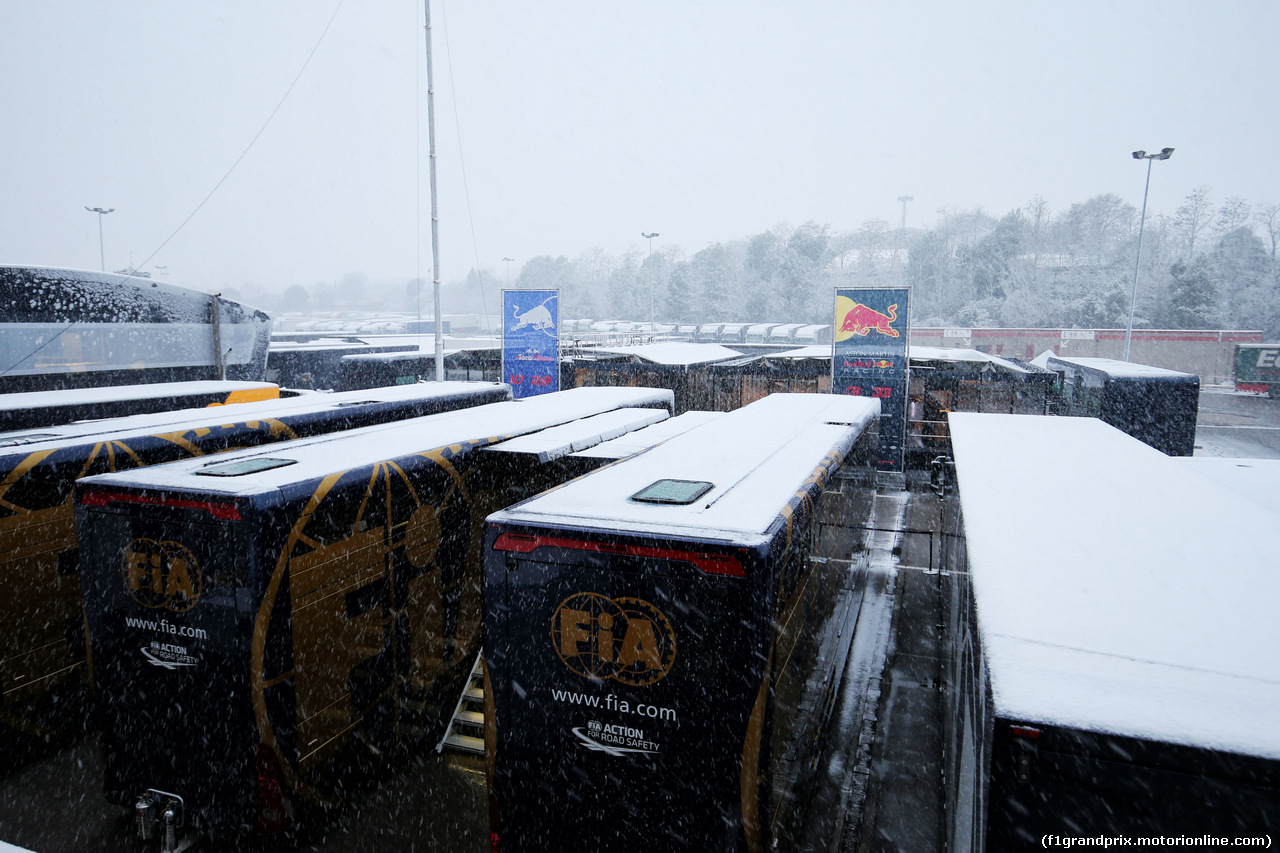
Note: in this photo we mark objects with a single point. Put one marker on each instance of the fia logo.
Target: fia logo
(161, 575)
(626, 639)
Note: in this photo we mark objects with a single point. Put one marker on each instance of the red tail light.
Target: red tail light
(275, 812)
(712, 564)
(223, 511)
(495, 833)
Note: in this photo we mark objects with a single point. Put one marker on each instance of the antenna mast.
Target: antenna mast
(435, 219)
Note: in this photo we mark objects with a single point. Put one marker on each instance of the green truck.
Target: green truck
(1258, 368)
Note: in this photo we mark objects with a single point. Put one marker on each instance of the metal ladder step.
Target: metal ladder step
(466, 743)
(469, 718)
(465, 717)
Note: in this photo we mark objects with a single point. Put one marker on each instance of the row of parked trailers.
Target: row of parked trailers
(43, 681)
(324, 594)
(1158, 406)
(786, 334)
(263, 620)
(661, 635)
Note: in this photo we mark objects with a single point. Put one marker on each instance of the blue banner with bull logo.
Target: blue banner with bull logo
(869, 359)
(531, 341)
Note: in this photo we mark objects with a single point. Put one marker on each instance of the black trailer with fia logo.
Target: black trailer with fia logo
(664, 636)
(264, 623)
(43, 675)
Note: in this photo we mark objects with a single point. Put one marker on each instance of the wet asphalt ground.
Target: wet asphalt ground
(880, 785)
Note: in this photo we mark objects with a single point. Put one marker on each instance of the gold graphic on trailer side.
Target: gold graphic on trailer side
(161, 575)
(626, 639)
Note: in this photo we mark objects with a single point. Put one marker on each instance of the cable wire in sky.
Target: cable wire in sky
(247, 148)
(462, 161)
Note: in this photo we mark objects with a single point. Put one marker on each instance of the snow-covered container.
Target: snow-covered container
(29, 409)
(664, 637)
(1113, 664)
(44, 683)
(265, 622)
(64, 328)
(1151, 404)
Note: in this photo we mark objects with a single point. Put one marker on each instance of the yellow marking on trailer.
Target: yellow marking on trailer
(249, 395)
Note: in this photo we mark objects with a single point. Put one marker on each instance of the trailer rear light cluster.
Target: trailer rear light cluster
(221, 510)
(495, 828)
(274, 812)
(712, 564)
(1025, 731)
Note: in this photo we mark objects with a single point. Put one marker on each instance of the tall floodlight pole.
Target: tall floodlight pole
(897, 238)
(102, 258)
(508, 261)
(435, 218)
(1163, 154)
(650, 237)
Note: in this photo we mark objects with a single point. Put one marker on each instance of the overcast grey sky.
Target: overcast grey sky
(582, 124)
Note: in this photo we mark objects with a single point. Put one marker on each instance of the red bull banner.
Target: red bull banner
(869, 359)
(531, 341)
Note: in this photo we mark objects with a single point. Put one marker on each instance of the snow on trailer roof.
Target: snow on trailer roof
(642, 439)
(75, 396)
(675, 352)
(557, 441)
(1255, 479)
(916, 353)
(316, 457)
(785, 330)
(1120, 369)
(119, 429)
(755, 458)
(1124, 606)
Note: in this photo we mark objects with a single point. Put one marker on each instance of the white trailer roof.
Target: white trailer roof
(1255, 479)
(113, 393)
(676, 352)
(1134, 600)
(755, 458)
(317, 457)
(650, 436)
(121, 429)
(1119, 369)
(557, 441)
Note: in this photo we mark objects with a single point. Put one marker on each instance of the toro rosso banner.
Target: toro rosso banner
(870, 359)
(531, 341)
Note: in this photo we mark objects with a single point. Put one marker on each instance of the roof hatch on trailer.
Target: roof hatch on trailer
(680, 492)
(242, 467)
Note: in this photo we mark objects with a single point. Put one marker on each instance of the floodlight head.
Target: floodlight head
(1165, 154)
(1139, 155)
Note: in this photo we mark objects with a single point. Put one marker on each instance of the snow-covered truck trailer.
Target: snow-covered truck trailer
(1152, 404)
(31, 409)
(664, 636)
(1258, 368)
(1113, 667)
(264, 622)
(64, 328)
(44, 675)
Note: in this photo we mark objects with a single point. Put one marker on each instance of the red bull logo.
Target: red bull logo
(884, 363)
(861, 320)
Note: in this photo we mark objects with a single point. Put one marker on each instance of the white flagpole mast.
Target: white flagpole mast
(435, 220)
